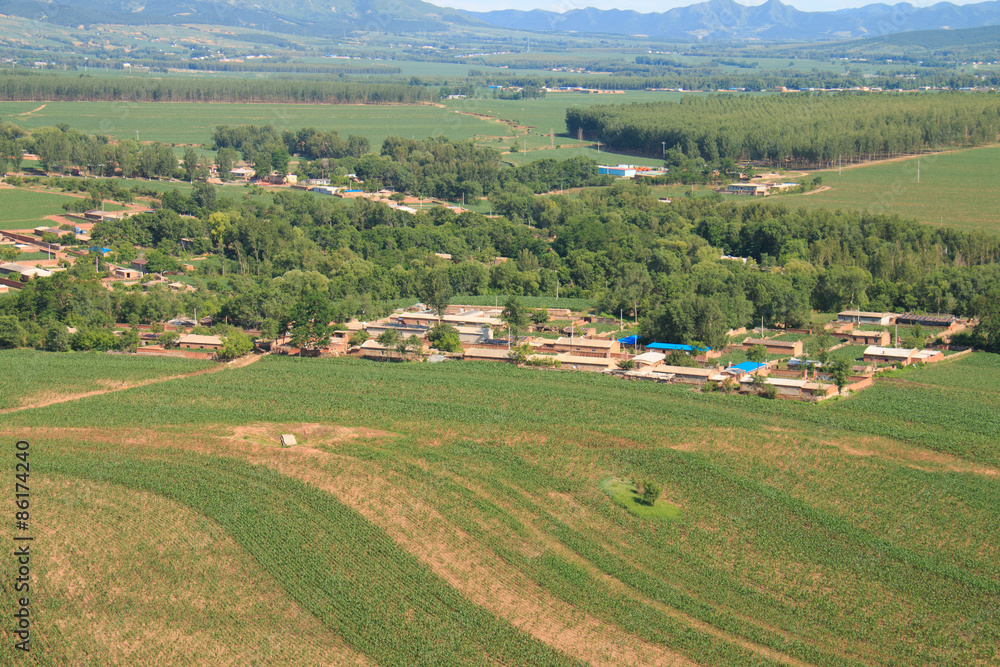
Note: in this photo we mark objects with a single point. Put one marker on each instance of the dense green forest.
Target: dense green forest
(811, 129)
(618, 246)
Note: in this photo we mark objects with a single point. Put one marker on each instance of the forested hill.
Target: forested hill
(812, 129)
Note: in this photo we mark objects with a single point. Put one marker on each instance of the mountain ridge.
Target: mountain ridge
(771, 21)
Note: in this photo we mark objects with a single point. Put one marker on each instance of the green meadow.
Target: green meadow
(956, 189)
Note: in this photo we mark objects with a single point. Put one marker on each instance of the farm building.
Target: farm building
(11, 269)
(376, 329)
(126, 274)
(487, 354)
(866, 317)
(579, 363)
(99, 216)
(688, 375)
(751, 189)
(927, 356)
(878, 338)
(889, 355)
(791, 347)
(793, 388)
(622, 170)
(746, 368)
(468, 335)
(198, 342)
(649, 359)
(671, 347)
(140, 264)
(587, 346)
(372, 349)
(935, 321)
(470, 318)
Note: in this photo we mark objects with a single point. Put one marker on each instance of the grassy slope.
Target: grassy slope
(792, 533)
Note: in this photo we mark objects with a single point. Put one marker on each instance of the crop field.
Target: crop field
(190, 123)
(462, 513)
(956, 189)
(26, 209)
(30, 377)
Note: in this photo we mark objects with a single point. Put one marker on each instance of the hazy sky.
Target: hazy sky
(656, 5)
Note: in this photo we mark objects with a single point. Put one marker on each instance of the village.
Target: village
(571, 342)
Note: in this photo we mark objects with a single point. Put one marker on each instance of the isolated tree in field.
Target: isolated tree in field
(757, 353)
(648, 492)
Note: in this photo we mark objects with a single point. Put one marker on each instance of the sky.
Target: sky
(659, 5)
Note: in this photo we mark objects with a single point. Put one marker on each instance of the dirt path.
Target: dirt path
(26, 113)
(66, 398)
(822, 188)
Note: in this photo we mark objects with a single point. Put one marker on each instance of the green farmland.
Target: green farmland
(956, 189)
(26, 209)
(188, 123)
(458, 514)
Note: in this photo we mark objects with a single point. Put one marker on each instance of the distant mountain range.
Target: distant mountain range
(772, 21)
(282, 16)
(711, 20)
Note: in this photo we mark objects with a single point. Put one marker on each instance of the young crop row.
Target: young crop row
(329, 559)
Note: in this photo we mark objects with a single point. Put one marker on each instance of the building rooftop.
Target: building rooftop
(585, 342)
(197, 339)
(899, 352)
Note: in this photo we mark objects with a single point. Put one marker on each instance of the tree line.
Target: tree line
(35, 87)
(813, 130)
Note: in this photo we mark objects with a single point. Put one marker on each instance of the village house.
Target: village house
(199, 342)
(140, 264)
(947, 322)
(575, 362)
(648, 359)
(866, 317)
(587, 347)
(793, 388)
(122, 273)
(928, 356)
(783, 347)
(487, 354)
(686, 375)
(877, 338)
(889, 355)
(751, 189)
